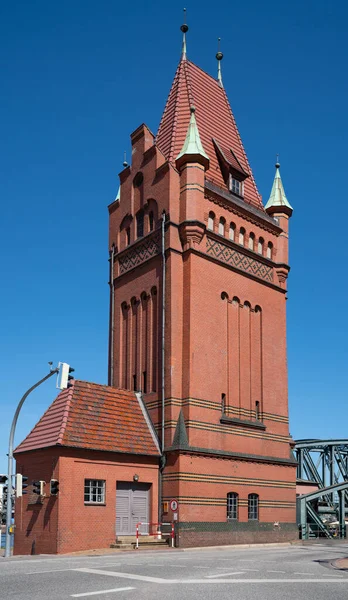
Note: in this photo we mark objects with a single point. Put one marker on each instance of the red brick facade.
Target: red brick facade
(225, 398)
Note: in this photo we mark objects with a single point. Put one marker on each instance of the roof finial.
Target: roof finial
(277, 165)
(219, 57)
(184, 29)
(125, 164)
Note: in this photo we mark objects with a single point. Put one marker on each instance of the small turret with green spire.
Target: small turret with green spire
(192, 150)
(278, 201)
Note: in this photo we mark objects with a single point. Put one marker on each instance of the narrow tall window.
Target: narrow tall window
(135, 383)
(222, 226)
(251, 241)
(253, 507)
(211, 221)
(257, 410)
(232, 506)
(269, 250)
(223, 403)
(241, 236)
(232, 231)
(140, 224)
(151, 221)
(128, 236)
(145, 382)
(260, 245)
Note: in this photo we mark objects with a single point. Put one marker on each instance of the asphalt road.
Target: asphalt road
(286, 572)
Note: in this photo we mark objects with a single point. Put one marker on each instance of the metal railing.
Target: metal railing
(157, 534)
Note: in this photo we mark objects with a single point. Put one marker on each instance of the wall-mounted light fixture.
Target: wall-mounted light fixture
(135, 477)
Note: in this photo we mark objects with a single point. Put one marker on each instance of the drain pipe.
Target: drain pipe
(162, 458)
(163, 320)
(112, 315)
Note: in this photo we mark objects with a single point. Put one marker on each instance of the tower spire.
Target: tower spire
(219, 57)
(278, 201)
(192, 147)
(184, 29)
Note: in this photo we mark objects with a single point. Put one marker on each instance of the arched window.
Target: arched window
(232, 230)
(269, 250)
(253, 507)
(211, 221)
(140, 223)
(260, 245)
(251, 241)
(222, 226)
(151, 221)
(241, 236)
(232, 505)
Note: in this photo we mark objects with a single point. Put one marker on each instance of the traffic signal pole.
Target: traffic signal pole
(10, 460)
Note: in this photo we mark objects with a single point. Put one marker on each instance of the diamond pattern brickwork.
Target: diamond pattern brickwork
(240, 261)
(142, 252)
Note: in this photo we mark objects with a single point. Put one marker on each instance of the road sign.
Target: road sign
(174, 505)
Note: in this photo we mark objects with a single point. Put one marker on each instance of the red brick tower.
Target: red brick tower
(224, 391)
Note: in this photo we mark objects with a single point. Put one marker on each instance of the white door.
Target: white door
(132, 507)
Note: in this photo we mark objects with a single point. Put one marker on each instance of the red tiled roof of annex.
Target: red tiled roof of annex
(194, 87)
(94, 417)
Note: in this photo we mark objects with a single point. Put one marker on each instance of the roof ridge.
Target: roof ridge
(242, 146)
(188, 85)
(175, 92)
(65, 414)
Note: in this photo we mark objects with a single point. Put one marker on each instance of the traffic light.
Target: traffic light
(54, 487)
(3, 478)
(21, 485)
(64, 376)
(38, 487)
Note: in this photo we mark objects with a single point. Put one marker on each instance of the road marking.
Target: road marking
(210, 581)
(124, 589)
(126, 575)
(254, 570)
(275, 571)
(329, 575)
(224, 574)
(303, 573)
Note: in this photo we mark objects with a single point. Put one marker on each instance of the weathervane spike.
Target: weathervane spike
(184, 29)
(125, 164)
(219, 57)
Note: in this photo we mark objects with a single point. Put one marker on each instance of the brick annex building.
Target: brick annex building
(198, 272)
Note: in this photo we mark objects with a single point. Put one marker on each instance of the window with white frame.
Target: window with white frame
(211, 221)
(269, 250)
(232, 505)
(222, 226)
(260, 246)
(235, 186)
(232, 231)
(251, 241)
(241, 236)
(253, 507)
(95, 491)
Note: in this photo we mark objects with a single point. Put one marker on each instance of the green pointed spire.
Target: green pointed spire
(118, 196)
(193, 146)
(278, 197)
(180, 436)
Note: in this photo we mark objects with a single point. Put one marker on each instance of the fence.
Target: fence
(157, 533)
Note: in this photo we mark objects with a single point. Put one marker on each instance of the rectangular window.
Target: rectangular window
(95, 491)
(235, 186)
(253, 507)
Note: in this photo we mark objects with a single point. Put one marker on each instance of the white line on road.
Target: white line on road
(303, 573)
(224, 574)
(250, 570)
(275, 571)
(218, 581)
(124, 589)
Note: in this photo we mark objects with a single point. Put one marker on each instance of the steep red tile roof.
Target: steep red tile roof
(192, 86)
(95, 417)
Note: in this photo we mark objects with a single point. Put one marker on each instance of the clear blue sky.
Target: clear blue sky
(77, 78)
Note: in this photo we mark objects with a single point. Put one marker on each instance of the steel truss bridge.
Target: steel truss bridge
(325, 464)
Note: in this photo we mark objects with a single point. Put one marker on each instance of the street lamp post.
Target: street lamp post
(10, 460)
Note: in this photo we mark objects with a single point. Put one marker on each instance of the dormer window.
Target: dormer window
(235, 186)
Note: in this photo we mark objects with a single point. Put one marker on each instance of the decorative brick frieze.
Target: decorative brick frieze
(140, 253)
(239, 260)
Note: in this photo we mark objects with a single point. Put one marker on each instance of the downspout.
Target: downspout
(112, 316)
(163, 320)
(162, 458)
